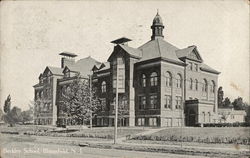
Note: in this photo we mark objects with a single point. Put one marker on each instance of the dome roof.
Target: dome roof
(157, 20)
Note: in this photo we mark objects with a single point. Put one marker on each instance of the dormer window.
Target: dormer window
(67, 74)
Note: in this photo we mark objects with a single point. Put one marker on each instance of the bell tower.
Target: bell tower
(157, 27)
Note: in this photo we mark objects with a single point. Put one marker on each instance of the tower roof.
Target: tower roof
(157, 20)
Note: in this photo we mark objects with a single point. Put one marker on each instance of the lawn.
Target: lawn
(121, 132)
(215, 135)
(95, 132)
(206, 132)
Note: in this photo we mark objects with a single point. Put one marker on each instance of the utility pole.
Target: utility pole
(116, 103)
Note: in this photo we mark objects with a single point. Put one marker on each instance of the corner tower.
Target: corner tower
(157, 27)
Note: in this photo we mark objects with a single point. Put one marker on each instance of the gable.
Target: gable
(194, 55)
(118, 51)
(46, 72)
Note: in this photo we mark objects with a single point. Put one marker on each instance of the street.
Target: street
(37, 150)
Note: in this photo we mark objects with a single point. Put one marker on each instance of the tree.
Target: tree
(7, 104)
(238, 104)
(226, 103)
(76, 101)
(220, 97)
(122, 110)
(1, 114)
(27, 115)
(14, 116)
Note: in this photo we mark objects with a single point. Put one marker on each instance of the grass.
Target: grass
(95, 132)
(121, 132)
(215, 135)
(205, 132)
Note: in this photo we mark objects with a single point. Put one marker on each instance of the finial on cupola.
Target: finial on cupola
(157, 27)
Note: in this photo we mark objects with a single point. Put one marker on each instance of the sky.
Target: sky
(33, 33)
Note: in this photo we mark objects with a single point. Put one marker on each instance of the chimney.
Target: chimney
(68, 59)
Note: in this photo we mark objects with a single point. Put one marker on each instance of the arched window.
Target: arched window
(191, 83)
(153, 79)
(103, 87)
(204, 85)
(196, 84)
(168, 79)
(178, 81)
(143, 80)
(213, 87)
(41, 95)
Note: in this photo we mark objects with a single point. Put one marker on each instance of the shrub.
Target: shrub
(215, 140)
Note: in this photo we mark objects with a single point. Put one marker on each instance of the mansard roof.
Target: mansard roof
(83, 66)
(54, 70)
(102, 66)
(159, 48)
(132, 52)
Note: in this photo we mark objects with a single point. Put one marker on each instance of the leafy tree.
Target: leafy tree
(226, 103)
(1, 114)
(14, 116)
(122, 111)
(7, 104)
(238, 104)
(28, 114)
(248, 112)
(76, 102)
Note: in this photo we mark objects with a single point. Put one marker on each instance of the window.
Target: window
(209, 117)
(120, 61)
(204, 116)
(152, 122)
(103, 104)
(168, 79)
(178, 102)
(153, 101)
(213, 87)
(191, 83)
(196, 67)
(142, 102)
(191, 66)
(143, 80)
(103, 86)
(67, 74)
(153, 79)
(204, 85)
(196, 84)
(124, 103)
(178, 81)
(168, 100)
(141, 121)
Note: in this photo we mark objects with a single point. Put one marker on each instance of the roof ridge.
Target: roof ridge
(159, 47)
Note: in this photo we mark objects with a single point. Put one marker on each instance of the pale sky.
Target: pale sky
(34, 33)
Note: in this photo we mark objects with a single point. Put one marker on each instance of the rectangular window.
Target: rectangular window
(153, 102)
(191, 66)
(168, 102)
(178, 104)
(152, 122)
(142, 102)
(141, 122)
(196, 67)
